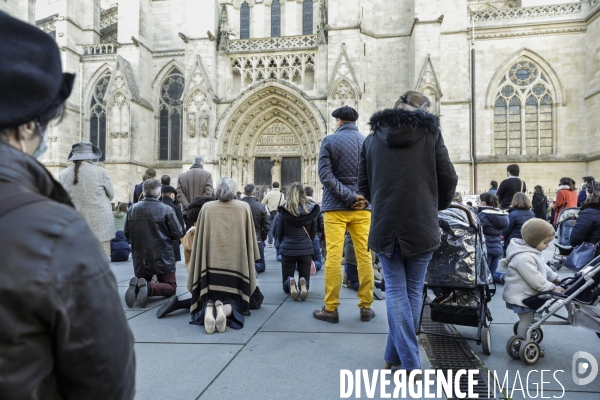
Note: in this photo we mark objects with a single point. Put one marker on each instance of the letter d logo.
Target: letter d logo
(582, 368)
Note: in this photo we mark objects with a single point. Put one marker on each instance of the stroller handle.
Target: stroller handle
(467, 211)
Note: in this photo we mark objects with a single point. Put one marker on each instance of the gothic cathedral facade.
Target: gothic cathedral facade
(250, 84)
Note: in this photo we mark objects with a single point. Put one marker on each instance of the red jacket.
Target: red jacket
(565, 198)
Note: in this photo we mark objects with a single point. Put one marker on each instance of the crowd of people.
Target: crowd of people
(381, 196)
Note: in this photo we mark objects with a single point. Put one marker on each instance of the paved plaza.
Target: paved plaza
(284, 353)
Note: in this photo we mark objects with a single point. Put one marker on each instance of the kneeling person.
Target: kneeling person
(151, 226)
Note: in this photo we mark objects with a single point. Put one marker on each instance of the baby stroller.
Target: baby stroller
(581, 299)
(564, 226)
(459, 276)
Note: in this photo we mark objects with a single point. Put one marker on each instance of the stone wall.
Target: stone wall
(388, 45)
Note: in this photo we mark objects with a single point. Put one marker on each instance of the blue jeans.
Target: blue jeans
(260, 265)
(493, 264)
(270, 236)
(404, 278)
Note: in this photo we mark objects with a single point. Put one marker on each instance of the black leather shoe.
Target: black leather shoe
(167, 307)
(131, 292)
(142, 296)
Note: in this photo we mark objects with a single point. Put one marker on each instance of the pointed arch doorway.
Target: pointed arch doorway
(272, 133)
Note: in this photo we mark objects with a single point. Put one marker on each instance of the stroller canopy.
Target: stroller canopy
(461, 260)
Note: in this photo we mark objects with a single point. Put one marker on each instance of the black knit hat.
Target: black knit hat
(345, 113)
(168, 189)
(32, 84)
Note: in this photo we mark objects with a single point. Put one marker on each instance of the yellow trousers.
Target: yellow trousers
(358, 224)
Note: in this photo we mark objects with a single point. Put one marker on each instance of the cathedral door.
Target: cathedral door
(291, 171)
(262, 175)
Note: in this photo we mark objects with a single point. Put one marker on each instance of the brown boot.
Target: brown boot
(366, 314)
(329, 316)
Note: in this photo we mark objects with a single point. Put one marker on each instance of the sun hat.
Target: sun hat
(84, 151)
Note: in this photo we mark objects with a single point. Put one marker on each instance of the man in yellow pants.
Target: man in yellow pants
(344, 209)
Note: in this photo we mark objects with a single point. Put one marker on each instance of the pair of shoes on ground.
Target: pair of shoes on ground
(303, 294)
(366, 314)
(210, 322)
(137, 290)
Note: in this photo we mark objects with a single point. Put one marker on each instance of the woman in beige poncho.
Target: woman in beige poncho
(221, 275)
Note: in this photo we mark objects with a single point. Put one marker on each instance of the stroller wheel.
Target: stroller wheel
(529, 352)
(512, 347)
(537, 335)
(515, 326)
(486, 341)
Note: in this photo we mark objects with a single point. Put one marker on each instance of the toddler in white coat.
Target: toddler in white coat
(527, 273)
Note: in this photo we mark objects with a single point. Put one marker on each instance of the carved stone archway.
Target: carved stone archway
(270, 119)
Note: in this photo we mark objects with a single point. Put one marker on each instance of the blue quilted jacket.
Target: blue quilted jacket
(338, 168)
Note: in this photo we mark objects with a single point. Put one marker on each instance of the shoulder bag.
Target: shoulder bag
(313, 267)
(274, 212)
(581, 256)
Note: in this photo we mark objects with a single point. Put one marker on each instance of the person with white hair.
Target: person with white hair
(151, 226)
(222, 277)
(194, 182)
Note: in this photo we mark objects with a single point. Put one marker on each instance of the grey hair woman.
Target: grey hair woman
(222, 276)
(226, 189)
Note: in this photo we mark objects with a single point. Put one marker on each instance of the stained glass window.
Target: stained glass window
(245, 21)
(169, 119)
(523, 112)
(98, 114)
(307, 17)
(275, 19)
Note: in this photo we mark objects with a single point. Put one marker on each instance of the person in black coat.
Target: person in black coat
(137, 190)
(492, 222)
(119, 248)
(151, 226)
(583, 194)
(511, 185)
(539, 203)
(168, 197)
(519, 213)
(261, 223)
(406, 174)
(587, 227)
(63, 333)
(296, 230)
(317, 256)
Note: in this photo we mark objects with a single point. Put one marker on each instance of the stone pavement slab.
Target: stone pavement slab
(296, 316)
(178, 371)
(175, 328)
